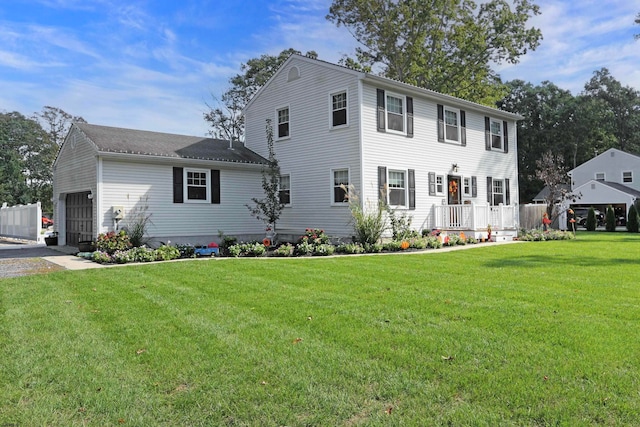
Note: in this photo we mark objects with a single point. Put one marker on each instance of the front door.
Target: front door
(453, 190)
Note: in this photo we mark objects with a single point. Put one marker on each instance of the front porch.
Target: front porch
(474, 220)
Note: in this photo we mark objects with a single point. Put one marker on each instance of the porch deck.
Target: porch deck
(474, 219)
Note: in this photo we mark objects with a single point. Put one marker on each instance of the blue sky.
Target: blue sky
(154, 64)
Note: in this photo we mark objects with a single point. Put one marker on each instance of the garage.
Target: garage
(79, 218)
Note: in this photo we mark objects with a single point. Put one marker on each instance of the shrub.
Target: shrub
(137, 222)
(253, 249)
(350, 248)
(610, 222)
(111, 242)
(372, 248)
(632, 220)
(166, 253)
(433, 242)
(324, 249)
(418, 243)
(142, 254)
(314, 236)
(101, 257)
(284, 250)
(186, 250)
(368, 224)
(401, 225)
(392, 246)
(591, 220)
(123, 257)
(304, 248)
(226, 243)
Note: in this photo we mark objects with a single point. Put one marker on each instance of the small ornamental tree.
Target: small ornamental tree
(610, 219)
(269, 208)
(591, 219)
(632, 219)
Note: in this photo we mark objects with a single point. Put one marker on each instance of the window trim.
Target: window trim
(332, 178)
(500, 124)
(207, 186)
(403, 100)
(466, 186)
(604, 176)
(494, 193)
(446, 108)
(280, 189)
(630, 174)
(346, 108)
(440, 185)
(405, 173)
(277, 133)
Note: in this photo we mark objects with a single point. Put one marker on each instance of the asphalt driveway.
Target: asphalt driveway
(24, 258)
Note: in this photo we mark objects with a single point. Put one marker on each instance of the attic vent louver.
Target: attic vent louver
(294, 74)
(613, 154)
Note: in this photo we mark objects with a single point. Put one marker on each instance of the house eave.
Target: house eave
(172, 160)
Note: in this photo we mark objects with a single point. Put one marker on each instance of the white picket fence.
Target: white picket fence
(22, 222)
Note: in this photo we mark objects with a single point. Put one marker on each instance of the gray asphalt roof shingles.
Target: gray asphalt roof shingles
(130, 141)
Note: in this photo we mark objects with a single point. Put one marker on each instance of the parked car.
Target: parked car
(46, 221)
(582, 213)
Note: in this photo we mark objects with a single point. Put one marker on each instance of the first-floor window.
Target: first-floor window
(284, 189)
(340, 185)
(197, 184)
(497, 192)
(397, 188)
(440, 184)
(466, 186)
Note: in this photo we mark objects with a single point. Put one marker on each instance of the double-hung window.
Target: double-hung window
(340, 185)
(627, 176)
(496, 134)
(600, 176)
(497, 192)
(395, 112)
(397, 188)
(451, 125)
(284, 189)
(339, 109)
(282, 116)
(196, 185)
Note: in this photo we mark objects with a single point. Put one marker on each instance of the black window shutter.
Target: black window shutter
(507, 192)
(381, 124)
(178, 188)
(412, 189)
(474, 186)
(463, 128)
(440, 123)
(505, 126)
(382, 183)
(409, 117)
(489, 189)
(215, 186)
(432, 183)
(487, 133)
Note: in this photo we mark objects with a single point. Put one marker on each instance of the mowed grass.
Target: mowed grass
(527, 334)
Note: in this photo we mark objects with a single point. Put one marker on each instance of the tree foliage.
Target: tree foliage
(57, 123)
(269, 208)
(633, 220)
(550, 169)
(445, 45)
(225, 116)
(610, 219)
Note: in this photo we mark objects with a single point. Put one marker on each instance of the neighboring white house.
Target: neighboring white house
(611, 178)
(448, 163)
(193, 187)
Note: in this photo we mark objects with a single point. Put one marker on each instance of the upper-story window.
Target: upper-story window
(395, 113)
(600, 176)
(451, 125)
(283, 122)
(339, 109)
(627, 176)
(496, 134)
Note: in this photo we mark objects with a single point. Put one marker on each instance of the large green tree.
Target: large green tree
(445, 45)
(225, 116)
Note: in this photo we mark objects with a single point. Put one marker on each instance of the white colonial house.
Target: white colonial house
(193, 187)
(609, 179)
(448, 163)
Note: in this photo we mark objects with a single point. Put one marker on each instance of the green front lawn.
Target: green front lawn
(535, 334)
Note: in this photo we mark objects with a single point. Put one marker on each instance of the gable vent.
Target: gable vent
(294, 74)
(613, 154)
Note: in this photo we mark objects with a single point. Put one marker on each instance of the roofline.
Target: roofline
(69, 132)
(602, 154)
(389, 83)
(604, 183)
(153, 158)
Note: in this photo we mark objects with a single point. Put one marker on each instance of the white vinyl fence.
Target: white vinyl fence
(22, 222)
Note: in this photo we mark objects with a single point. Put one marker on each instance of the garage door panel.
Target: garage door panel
(79, 220)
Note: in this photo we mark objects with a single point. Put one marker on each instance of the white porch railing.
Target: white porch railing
(475, 217)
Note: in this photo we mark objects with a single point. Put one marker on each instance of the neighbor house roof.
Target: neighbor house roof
(622, 188)
(544, 193)
(139, 142)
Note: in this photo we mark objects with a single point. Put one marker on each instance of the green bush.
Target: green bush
(101, 257)
(284, 250)
(350, 248)
(591, 220)
(610, 219)
(632, 220)
(166, 253)
(111, 242)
